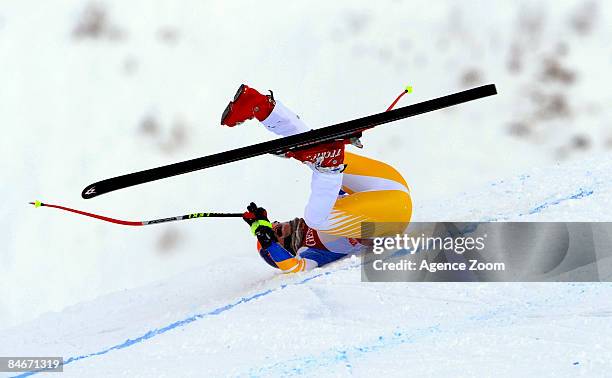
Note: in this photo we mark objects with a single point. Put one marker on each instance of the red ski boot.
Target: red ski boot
(247, 104)
(327, 157)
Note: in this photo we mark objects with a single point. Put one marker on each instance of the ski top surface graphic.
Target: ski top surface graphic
(341, 130)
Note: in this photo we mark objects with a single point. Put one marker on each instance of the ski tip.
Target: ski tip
(491, 89)
(408, 89)
(89, 192)
(36, 203)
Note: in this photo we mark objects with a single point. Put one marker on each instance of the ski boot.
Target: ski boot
(247, 104)
(325, 158)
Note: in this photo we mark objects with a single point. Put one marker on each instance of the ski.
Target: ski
(343, 130)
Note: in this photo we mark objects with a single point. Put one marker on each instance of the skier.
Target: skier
(346, 190)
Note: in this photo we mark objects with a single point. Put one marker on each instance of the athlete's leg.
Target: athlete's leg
(324, 189)
(282, 121)
(377, 193)
(363, 174)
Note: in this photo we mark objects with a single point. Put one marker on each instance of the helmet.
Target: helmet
(289, 234)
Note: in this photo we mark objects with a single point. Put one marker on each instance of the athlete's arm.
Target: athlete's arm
(271, 251)
(307, 259)
(284, 260)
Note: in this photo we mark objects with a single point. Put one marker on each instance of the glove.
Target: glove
(257, 218)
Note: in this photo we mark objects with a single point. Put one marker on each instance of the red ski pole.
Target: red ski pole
(408, 89)
(140, 223)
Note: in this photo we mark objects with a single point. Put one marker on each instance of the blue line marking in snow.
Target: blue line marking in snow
(302, 365)
(578, 195)
(181, 323)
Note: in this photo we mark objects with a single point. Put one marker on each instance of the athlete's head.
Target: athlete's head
(289, 234)
(283, 232)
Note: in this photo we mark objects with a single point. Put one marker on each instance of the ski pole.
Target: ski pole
(408, 89)
(355, 139)
(140, 223)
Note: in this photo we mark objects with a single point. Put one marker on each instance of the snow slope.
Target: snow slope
(92, 89)
(227, 319)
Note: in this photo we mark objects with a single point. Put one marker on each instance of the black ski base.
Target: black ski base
(344, 130)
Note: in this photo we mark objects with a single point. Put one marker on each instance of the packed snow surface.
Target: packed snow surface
(229, 318)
